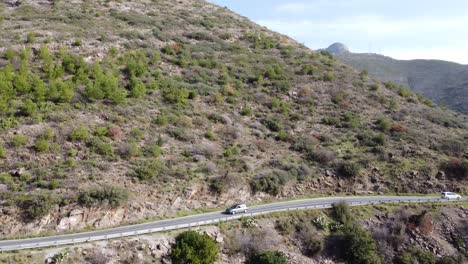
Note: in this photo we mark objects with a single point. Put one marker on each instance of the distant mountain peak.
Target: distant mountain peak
(338, 48)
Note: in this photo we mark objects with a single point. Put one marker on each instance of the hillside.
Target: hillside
(118, 111)
(442, 81)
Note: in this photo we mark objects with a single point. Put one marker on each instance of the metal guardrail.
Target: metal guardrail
(60, 242)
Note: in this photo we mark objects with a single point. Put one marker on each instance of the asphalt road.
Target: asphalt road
(202, 219)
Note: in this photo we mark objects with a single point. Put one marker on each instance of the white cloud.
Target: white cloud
(372, 25)
(307, 6)
(455, 53)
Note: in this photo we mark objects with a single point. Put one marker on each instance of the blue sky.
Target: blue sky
(403, 29)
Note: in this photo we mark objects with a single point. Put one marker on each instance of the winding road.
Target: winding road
(203, 219)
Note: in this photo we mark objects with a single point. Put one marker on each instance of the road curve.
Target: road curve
(203, 219)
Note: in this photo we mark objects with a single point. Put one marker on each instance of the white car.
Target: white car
(450, 196)
(237, 208)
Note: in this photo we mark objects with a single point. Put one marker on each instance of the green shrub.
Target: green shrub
(42, 145)
(404, 92)
(282, 136)
(364, 74)
(138, 88)
(246, 111)
(148, 170)
(358, 246)
(19, 140)
(273, 124)
(416, 256)
(80, 133)
(230, 151)
(313, 246)
(153, 150)
(456, 168)
(137, 133)
(106, 195)
(270, 183)
(322, 156)
(10, 53)
(31, 37)
(211, 136)
(285, 227)
(192, 247)
(28, 107)
(384, 124)
(370, 139)
(349, 169)
(342, 213)
(351, 120)
(102, 148)
(176, 96)
(3, 152)
(328, 77)
(130, 150)
(36, 206)
(267, 257)
(101, 132)
(304, 144)
(375, 87)
(308, 69)
(332, 121)
(390, 86)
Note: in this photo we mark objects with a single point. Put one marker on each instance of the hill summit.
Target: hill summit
(338, 48)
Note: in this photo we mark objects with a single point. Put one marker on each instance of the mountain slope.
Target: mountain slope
(116, 111)
(442, 81)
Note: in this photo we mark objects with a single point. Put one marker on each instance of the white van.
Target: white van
(450, 196)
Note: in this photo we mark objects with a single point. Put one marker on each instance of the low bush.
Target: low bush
(267, 257)
(193, 247)
(102, 148)
(322, 156)
(375, 87)
(370, 139)
(36, 206)
(107, 195)
(148, 170)
(416, 256)
(332, 121)
(328, 77)
(19, 140)
(349, 169)
(273, 124)
(453, 147)
(305, 144)
(271, 182)
(211, 136)
(313, 246)
(341, 213)
(358, 246)
(42, 145)
(404, 92)
(456, 168)
(130, 150)
(383, 124)
(80, 133)
(3, 152)
(153, 150)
